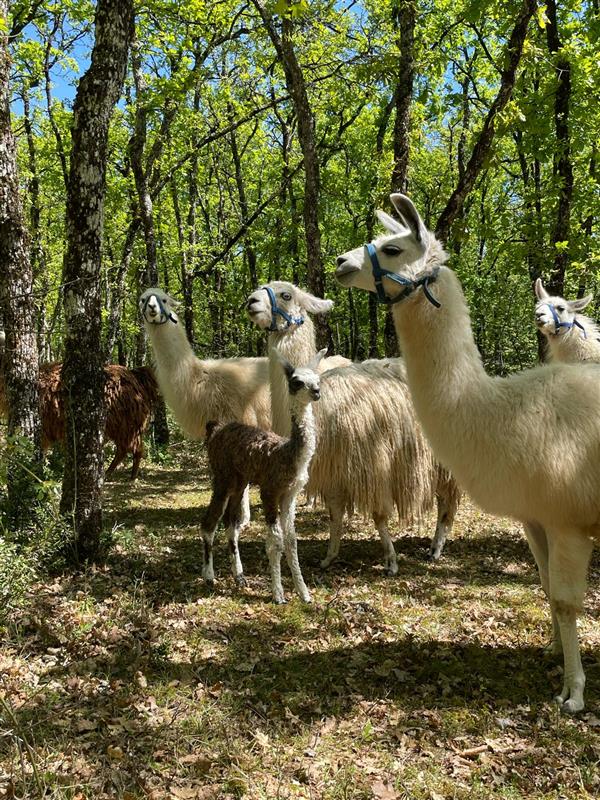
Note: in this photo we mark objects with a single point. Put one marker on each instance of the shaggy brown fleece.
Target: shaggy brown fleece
(130, 396)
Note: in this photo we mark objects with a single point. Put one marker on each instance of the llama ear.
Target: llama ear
(317, 359)
(409, 216)
(540, 292)
(316, 305)
(581, 303)
(388, 222)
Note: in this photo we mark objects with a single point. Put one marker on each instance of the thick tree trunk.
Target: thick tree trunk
(20, 362)
(483, 145)
(83, 374)
(563, 167)
(296, 86)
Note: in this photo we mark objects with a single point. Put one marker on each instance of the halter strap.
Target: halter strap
(276, 310)
(568, 325)
(165, 313)
(409, 285)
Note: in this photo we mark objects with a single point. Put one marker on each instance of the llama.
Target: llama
(130, 396)
(525, 446)
(571, 336)
(196, 390)
(365, 460)
(241, 454)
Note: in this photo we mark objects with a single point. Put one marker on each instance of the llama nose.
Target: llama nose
(251, 301)
(343, 266)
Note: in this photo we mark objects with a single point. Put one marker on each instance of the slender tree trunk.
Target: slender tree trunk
(20, 362)
(404, 13)
(60, 146)
(563, 167)
(113, 326)
(483, 145)
(296, 86)
(83, 374)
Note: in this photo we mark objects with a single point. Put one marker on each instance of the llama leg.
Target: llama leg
(447, 506)
(135, 467)
(274, 545)
(569, 558)
(336, 522)
(233, 519)
(290, 543)
(119, 456)
(213, 514)
(390, 562)
(245, 519)
(538, 544)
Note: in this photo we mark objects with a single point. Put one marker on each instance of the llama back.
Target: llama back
(381, 458)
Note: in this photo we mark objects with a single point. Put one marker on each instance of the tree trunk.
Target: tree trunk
(20, 362)
(83, 374)
(404, 15)
(296, 86)
(483, 145)
(563, 167)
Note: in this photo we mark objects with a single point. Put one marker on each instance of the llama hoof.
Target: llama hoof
(390, 570)
(553, 649)
(570, 706)
(209, 583)
(306, 598)
(327, 562)
(433, 555)
(240, 581)
(279, 601)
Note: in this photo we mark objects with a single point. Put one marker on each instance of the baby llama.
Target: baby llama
(366, 460)
(525, 446)
(571, 336)
(242, 454)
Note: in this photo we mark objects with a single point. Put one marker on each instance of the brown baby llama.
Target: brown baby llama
(241, 454)
(130, 395)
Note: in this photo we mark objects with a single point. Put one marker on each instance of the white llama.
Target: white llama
(196, 390)
(526, 446)
(242, 454)
(571, 336)
(366, 460)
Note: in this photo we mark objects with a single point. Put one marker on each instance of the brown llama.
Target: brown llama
(242, 454)
(130, 396)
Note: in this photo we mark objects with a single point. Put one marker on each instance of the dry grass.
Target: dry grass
(133, 681)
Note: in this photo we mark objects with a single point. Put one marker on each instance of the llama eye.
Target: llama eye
(296, 384)
(286, 296)
(391, 250)
(560, 308)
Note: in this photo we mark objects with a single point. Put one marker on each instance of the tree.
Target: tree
(83, 375)
(20, 360)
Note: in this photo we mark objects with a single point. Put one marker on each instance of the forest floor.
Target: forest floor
(133, 680)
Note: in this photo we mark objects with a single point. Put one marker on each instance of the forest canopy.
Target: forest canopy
(206, 168)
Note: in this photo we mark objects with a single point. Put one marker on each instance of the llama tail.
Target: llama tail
(210, 429)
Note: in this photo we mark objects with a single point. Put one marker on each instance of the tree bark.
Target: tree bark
(296, 85)
(563, 168)
(483, 145)
(20, 362)
(404, 14)
(83, 374)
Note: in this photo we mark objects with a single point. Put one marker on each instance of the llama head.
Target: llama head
(279, 305)
(392, 261)
(554, 315)
(157, 307)
(304, 383)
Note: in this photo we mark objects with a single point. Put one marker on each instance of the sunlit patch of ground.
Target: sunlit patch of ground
(134, 681)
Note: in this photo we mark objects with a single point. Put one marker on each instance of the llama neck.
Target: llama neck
(297, 344)
(170, 346)
(573, 346)
(444, 368)
(303, 440)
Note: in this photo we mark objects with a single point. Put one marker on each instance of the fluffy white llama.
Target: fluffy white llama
(526, 446)
(196, 390)
(367, 459)
(242, 454)
(571, 336)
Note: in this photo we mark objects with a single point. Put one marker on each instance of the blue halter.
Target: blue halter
(409, 285)
(558, 324)
(165, 314)
(276, 310)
